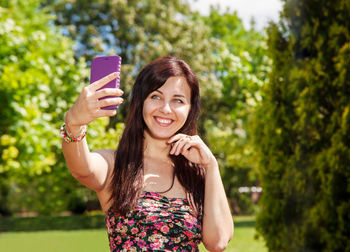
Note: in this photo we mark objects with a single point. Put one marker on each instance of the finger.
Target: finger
(103, 81)
(109, 102)
(186, 148)
(180, 145)
(176, 138)
(107, 92)
(185, 152)
(105, 112)
(187, 144)
(174, 147)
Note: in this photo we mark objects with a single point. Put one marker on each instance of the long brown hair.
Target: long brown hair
(127, 177)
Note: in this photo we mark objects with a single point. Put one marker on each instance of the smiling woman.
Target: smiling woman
(161, 189)
(166, 109)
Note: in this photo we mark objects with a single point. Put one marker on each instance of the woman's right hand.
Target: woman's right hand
(88, 106)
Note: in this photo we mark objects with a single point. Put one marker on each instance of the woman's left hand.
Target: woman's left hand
(193, 148)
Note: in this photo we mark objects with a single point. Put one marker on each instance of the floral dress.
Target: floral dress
(158, 223)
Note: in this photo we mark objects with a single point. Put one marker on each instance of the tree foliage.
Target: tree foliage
(228, 59)
(39, 80)
(43, 68)
(241, 66)
(41, 76)
(140, 31)
(302, 130)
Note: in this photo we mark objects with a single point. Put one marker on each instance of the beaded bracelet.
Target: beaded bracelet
(71, 139)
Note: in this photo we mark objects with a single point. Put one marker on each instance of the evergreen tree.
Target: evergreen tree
(302, 129)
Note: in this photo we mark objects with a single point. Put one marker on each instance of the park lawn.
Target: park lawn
(96, 240)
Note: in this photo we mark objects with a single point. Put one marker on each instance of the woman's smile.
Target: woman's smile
(164, 122)
(165, 110)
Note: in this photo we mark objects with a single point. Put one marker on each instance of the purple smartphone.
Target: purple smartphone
(103, 66)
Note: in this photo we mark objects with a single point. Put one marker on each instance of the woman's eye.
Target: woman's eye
(155, 97)
(178, 101)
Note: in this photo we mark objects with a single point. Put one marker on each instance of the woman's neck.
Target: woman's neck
(158, 148)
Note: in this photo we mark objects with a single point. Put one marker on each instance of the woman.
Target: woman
(161, 189)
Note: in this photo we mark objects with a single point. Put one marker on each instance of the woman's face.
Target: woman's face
(165, 110)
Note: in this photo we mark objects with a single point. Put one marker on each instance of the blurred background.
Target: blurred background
(275, 87)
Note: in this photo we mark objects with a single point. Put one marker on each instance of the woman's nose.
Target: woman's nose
(165, 108)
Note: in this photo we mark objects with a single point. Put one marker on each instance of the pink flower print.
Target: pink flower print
(164, 213)
(152, 218)
(191, 243)
(152, 208)
(119, 226)
(155, 196)
(109, 229)
(178, 201)
(117, 240)
(147, 203)
(189, 218)
(164, 229)
(156, 245)
(188, 234)
(133, 249)
(188, 224)
(158, 225)
(112, 246)
(141, 244)
(177, 240)
(127, 245)
(131, 222)
(185, 208)
(134, 230)
(142, 234)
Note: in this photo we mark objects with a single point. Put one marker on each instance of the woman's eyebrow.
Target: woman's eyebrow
(176, 95)
(179, 95)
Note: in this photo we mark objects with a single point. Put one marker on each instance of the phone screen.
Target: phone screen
(103, 66)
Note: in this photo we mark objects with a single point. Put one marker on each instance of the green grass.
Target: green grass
(55, 241)
(96, 240)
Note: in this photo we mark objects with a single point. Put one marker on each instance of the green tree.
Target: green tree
(228, 59)
(241, 66)
(39, 80)
(302, 130)
(140, 31)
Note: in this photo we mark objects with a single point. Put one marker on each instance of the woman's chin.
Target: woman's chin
(159, 135)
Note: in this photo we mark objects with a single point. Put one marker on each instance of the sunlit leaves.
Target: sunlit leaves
(39, 80)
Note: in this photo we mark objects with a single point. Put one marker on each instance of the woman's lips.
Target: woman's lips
(163, 121)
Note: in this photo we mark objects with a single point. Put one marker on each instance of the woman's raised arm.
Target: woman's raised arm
(90, 168)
